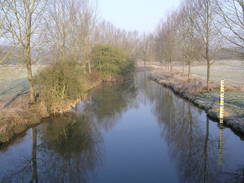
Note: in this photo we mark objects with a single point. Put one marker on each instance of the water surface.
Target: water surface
(129, 132)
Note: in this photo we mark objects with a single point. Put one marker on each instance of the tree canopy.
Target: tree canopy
(111, 61)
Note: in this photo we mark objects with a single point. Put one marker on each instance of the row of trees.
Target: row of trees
(197, 30)
(48, 31)
(55, 30)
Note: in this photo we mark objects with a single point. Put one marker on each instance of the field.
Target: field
(230, 70)
(13, 81)
(13, 77)
(233, 73)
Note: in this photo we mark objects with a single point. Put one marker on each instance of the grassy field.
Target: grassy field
(13, 81)
(230, 70)
(13, 77)
(233, 74)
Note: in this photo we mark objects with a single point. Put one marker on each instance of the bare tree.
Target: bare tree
(188, 40)
(57, 28)
(147, 48)
(169, 41)
(5, 50)
(231, 20)
(166, 39)
(3, 53)
(69, 30)
(205, 28)
(107, 33)
(21, 20)
(87, 29)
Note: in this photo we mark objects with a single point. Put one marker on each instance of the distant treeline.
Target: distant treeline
(198, 30)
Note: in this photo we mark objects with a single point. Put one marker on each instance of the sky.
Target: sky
(140, 15)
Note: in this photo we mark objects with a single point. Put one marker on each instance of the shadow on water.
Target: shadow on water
(79, 146)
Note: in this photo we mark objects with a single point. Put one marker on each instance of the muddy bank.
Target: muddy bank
(19, 116)
(194, 90)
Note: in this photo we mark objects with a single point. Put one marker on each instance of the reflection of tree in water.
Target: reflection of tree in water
(70, 127)
(69, 151)
(67, 147)
(66, 150)
(146, 88)
(27, 172)
(34, 165)
(108, 102)
(190, 142)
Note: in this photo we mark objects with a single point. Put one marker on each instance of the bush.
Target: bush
(111, 61)
(61, 82)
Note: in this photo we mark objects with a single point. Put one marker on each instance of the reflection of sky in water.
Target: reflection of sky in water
(131, 132)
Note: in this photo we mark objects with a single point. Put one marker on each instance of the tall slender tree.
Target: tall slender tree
(206, 30)
(21, 20)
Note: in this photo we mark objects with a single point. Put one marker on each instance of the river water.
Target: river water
(130, 132)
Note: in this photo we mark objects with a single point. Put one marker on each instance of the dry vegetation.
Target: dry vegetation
(195, 90)
(18, 117)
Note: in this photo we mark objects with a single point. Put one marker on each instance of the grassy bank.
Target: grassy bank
(20, 116)
(195, 91)
(60, 86)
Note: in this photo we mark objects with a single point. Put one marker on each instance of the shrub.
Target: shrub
(111, 61)
(61, 82)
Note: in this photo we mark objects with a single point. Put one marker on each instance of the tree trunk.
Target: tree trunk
(189, 70)
(170, 65)
(208, 62)
(29, 75)
(27, 49)
(183, 69)
(89, 67)
(30, 80)
(208, 74)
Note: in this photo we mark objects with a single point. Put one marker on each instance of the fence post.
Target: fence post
(222, 96)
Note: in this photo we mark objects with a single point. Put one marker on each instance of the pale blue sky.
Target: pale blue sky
(141, 15)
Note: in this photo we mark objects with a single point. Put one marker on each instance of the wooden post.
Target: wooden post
(222, 96)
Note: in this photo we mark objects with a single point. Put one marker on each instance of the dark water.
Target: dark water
(130, 132)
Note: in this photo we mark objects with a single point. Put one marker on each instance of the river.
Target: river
(131, 132)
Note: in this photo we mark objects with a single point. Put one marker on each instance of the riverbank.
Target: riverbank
(19, 116)
(194, 90)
